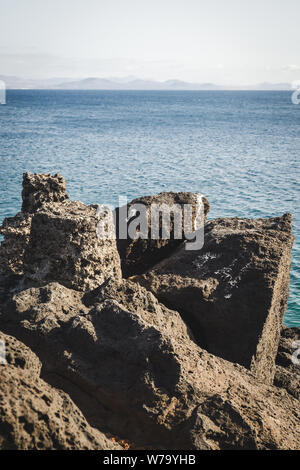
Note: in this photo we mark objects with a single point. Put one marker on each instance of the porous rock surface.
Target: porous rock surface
(138, 255)
(233, 292)
(287, 373)
(34, 415)
(64, 247)
(54, 239)
(38, 189)
(16, 233)
(152, 384)
(107, 358)
(20, 356)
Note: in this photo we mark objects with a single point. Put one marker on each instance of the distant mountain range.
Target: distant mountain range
(126, 83)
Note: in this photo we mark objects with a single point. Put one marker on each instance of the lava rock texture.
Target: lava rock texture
(182, 355)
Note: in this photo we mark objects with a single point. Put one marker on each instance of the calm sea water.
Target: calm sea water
(240, 149)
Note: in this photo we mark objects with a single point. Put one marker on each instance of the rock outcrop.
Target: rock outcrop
(152, 384)
(140, 254)
(108, 361)
(34, 415)
(233, 292)
(64, 246)
(39, 189)
(287, 373)
(54, 239)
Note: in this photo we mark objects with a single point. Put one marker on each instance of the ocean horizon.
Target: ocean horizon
(238, 148)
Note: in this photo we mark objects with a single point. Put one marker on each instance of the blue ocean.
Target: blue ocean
(240, 149)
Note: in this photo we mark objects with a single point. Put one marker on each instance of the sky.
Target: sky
(220, 41)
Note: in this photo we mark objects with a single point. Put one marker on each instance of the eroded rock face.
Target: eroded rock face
(53, 239)
(137, 256)
(287, 373)
(128, 365)
(39, 189)
(152, 384)
(35, 415)
(64, 246)
(233, 292)
(16, 233)
(20, 356)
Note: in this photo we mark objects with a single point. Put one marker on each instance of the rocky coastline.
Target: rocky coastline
(138, 343)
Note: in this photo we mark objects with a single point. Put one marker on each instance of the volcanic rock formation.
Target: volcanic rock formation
(33, 415)
(64, 246)
(38, 189)
(139, 254)
(152, 384)
(108, 361)
(233, 292)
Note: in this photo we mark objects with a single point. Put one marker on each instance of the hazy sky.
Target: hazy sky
(221, 41)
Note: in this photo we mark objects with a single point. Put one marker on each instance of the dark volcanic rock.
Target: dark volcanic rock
(16, 233)
(34, 415)
(53, 239)
(38, 189)
(42, 188)
(128, 365)
(287, 373)
(150, 382)
(138, 255)
(233, 292)
(64, 246)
